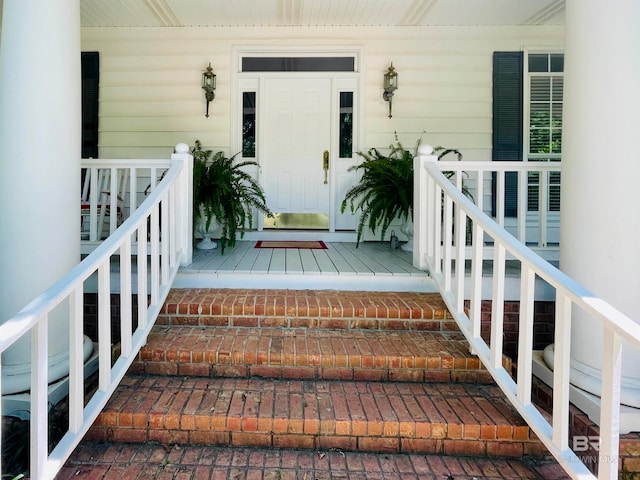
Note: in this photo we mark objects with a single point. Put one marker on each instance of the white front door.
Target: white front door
(296, 134)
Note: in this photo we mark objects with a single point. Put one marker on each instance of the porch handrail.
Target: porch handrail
(440, 223)
(167, 209)
(482, 171)
(108, 174)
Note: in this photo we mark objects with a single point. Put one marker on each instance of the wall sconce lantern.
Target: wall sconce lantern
(209, 86)
(390, 85)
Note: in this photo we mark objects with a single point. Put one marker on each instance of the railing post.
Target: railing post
(185, 202)
(523, 197)
(422, 210)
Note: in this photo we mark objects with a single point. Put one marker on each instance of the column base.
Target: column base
(17, 378)
(587, 402)
(19, 404)
(590, 379)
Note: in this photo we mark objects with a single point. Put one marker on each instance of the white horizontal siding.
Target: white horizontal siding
(445, 73)
(150, 95)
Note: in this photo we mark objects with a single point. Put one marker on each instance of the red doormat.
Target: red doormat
(290, 244)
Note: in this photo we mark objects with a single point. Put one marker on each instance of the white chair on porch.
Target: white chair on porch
(96, 200)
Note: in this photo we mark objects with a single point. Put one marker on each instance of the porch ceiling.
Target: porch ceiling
(251, 13)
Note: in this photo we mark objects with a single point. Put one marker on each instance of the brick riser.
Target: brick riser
(363, 416)
(307, 309)
(310, 354)
(328, 335)
(354, 371)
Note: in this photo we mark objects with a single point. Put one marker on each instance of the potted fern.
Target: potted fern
(224, 195)
(385, 190)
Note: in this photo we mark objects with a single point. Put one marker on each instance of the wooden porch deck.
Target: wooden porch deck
(370, 266)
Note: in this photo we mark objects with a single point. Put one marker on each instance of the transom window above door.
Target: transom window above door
(298, 64)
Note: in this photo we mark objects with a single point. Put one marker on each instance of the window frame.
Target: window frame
(526, 103)
(553, 182)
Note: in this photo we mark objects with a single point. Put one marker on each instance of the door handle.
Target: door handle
(325, 164)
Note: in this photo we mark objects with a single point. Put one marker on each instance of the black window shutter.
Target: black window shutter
(507, 121)
(90, 83)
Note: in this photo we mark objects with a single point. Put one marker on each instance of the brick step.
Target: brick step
(307, 308)
(93, 460)
(303, 353)
(429, 418)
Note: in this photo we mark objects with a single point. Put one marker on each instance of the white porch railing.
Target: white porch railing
(442, 215)
(114, 185)
(163, 223)
(536, 222)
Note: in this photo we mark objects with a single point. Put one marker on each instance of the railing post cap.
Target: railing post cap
(182, 148)
(425, 150)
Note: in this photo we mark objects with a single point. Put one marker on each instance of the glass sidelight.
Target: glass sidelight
(346, 125)
(249, 124)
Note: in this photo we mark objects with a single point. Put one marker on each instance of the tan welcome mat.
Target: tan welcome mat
(291, 244)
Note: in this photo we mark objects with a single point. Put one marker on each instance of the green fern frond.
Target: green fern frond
(385, 190)
(226, 192)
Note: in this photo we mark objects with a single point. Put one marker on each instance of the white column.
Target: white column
(40, 149)
(600, 228)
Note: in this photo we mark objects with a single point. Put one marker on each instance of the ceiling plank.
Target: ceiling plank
(336, 13)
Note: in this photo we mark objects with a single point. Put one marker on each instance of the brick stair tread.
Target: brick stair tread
(273, 413)
(310, 354)
(93, 460)
(307, 308)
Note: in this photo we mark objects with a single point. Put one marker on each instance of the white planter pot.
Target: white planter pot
(407, 229)
(206, 243)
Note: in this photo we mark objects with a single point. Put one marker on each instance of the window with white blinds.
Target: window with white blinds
(543, 129)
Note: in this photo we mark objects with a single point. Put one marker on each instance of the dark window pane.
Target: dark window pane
(557, 62)
(298, 64)
(539, 63)
(249, 124)
(90, 93)
(346, 124)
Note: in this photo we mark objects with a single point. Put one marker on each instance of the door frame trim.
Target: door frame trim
(236, 90)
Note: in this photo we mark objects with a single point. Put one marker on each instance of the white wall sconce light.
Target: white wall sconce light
(390, 85)
(209, 86)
